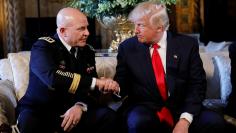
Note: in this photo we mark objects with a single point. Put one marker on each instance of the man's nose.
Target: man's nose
(86, 32)
(136, 30)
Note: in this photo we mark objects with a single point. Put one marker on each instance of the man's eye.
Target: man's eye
(141, 25)
(81, 28)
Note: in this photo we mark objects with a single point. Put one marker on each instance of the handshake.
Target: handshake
(107, 85)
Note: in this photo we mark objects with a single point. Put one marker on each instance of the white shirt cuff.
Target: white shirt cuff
(187, 116)
(118, 93)
(82, 105)
(92, 87)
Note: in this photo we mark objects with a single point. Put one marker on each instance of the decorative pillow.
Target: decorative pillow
(215, 104)
(7, 102)
(212, 74)
(106, 66)
(20, 68)
(217, 46)
(6, 71)
(222, 63)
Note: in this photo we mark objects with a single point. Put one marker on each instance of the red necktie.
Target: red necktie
(164, 114)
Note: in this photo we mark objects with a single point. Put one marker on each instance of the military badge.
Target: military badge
(62, 64)
(89, 68)
(175, 56)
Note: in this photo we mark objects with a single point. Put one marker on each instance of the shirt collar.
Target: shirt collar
(163, 41)
(68, 47)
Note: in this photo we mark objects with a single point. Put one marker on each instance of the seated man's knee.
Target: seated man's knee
(27, 123)
(212, 118)
(107, 114)
(141, 119)
(212, 122)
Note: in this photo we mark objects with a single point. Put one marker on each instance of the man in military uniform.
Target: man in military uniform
(63, 87)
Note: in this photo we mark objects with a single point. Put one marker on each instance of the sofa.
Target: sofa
(14, 74)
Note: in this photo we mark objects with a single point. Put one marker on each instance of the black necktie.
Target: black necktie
(79, 53)
(72, 51)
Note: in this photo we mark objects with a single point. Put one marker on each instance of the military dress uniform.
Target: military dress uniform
(59, 80)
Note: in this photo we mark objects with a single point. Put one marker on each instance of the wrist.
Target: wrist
(82, 106)
(184, 121)
(97, 82)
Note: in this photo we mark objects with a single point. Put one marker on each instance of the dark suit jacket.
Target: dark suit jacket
(231, 106)
(185, 75)
(52, 70)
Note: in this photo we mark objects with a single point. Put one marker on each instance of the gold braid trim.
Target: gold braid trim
(75, 83)
(48, 39)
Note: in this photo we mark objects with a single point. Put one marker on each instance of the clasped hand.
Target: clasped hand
(107, 85)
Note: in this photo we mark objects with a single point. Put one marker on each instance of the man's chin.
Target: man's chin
(81, 44)
(142, 40)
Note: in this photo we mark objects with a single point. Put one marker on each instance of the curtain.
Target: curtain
(12, 25)
(2, 29)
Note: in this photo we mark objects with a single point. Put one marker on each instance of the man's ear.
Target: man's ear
(62, 31)
(159, 29)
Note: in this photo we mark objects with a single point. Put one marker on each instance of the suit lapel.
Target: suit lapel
(172, 62)
(148, 70)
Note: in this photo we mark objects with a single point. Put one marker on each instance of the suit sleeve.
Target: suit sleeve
(44, 66)
(196, 82)
(122, 76)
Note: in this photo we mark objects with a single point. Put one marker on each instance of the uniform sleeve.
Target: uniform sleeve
(44, 65)
(71, 81)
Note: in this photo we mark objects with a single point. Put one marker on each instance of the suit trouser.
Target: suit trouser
(140, 119)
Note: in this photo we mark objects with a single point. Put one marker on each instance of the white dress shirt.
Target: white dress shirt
(162, 52)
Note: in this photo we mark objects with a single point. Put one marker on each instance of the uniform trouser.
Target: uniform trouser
(99, 120)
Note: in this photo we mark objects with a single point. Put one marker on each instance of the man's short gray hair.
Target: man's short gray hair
(155, 12)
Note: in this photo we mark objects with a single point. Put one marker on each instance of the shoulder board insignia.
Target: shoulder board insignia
(48, 39)
(91, 47)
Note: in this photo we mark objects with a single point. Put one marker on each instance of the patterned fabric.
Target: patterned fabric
(20, 68)
(212, 74)
(106, 66)
(5, 70)
(222, 63)
(217, 46)
(7, 102)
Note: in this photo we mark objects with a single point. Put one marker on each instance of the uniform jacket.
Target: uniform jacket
(185, 76)
(57, 79)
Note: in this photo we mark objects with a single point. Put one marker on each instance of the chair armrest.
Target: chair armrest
(230, 120)
(8, 102)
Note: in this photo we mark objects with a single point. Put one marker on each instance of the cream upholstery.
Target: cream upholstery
(5, 70)
(7, 102)
(20, 69)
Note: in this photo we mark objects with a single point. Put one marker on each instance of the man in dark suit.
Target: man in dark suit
(231, 106)
(63, 92)
(147, 107)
